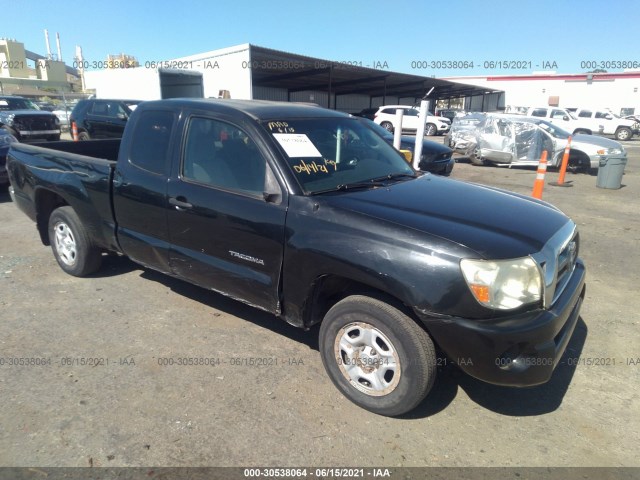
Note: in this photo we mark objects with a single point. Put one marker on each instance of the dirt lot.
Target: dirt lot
(131, 411)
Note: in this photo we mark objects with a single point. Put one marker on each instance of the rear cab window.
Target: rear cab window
(151, 137)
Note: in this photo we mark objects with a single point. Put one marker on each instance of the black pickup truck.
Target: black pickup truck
(310, 215)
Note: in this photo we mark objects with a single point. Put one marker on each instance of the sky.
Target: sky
(441, 39)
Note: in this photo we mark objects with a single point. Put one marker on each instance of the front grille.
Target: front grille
(34, 123)
(566, 262)
(557, 260)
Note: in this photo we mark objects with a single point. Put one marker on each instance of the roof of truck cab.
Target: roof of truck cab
(257, 109)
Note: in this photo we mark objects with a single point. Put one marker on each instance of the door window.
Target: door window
(222, 155)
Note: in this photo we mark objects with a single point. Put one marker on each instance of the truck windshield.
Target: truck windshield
(327, 154)
(7, 104)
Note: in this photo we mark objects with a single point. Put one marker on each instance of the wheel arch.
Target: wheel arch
(46, 201)
(327, 290)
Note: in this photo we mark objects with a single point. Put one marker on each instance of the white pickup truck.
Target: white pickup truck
(611, 124)
(582, 121)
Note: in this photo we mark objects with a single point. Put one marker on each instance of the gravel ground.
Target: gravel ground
(129, 410)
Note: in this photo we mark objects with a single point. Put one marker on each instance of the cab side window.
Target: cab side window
(222, 155)
(539, 112)
(585, 114)
(100, 108)
(151, 138)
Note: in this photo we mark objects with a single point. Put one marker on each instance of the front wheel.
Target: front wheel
(623, 133)
(476, 159)
(377, 356)
(430, 129)
(71, 245)
(388, 126)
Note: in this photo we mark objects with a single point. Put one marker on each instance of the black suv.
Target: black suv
(25, 121)
(101, 118)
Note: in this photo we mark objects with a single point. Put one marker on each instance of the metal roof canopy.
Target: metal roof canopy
(274, 68)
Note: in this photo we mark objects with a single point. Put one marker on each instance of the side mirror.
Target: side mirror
(122, 116)
(272, 192)
(566, 118)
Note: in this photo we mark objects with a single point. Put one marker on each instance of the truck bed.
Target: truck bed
(102, 149)
(78, 174)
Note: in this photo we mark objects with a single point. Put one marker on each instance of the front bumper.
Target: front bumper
(520, 351)
(443, 129)
(439, 168)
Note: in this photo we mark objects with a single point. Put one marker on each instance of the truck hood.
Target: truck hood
(494, 223)
(31, 113)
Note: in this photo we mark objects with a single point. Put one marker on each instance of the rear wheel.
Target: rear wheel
(71, 245)
(581, 131)
(388, 126)
(377, 356)
(623, 133)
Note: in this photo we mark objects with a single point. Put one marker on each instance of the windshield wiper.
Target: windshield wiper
(394, 176)
(374, 182)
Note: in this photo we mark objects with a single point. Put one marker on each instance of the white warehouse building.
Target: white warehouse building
(617, 92)
(251, 72)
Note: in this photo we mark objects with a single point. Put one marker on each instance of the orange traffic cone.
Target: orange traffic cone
(538, 185)
(74, 131)
(563, 167)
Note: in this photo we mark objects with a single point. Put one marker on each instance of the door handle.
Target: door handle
(180, 203)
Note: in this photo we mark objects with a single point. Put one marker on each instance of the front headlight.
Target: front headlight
(503, 284)
(7, 139)
(611, 151)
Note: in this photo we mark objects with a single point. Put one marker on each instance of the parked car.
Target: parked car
(514, 140)
(462, 133)
(6, 139)
(63, 113)
(435, 158)
(450, 113)
(26, 122)
(274, 205)
(386, 118)
(607, 123)
(102, 118)
(46, 106)
(369, 113)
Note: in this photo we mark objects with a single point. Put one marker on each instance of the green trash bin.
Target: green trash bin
(610, 172)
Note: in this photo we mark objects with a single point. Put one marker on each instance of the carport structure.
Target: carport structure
(278, 75)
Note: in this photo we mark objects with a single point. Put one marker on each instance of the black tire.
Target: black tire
(579, 162)
(82, 136)
(388, 126)
(430, 129)
(580, 131)
(623, 133)
(71, 245)
(409, 354)
(476, 160)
